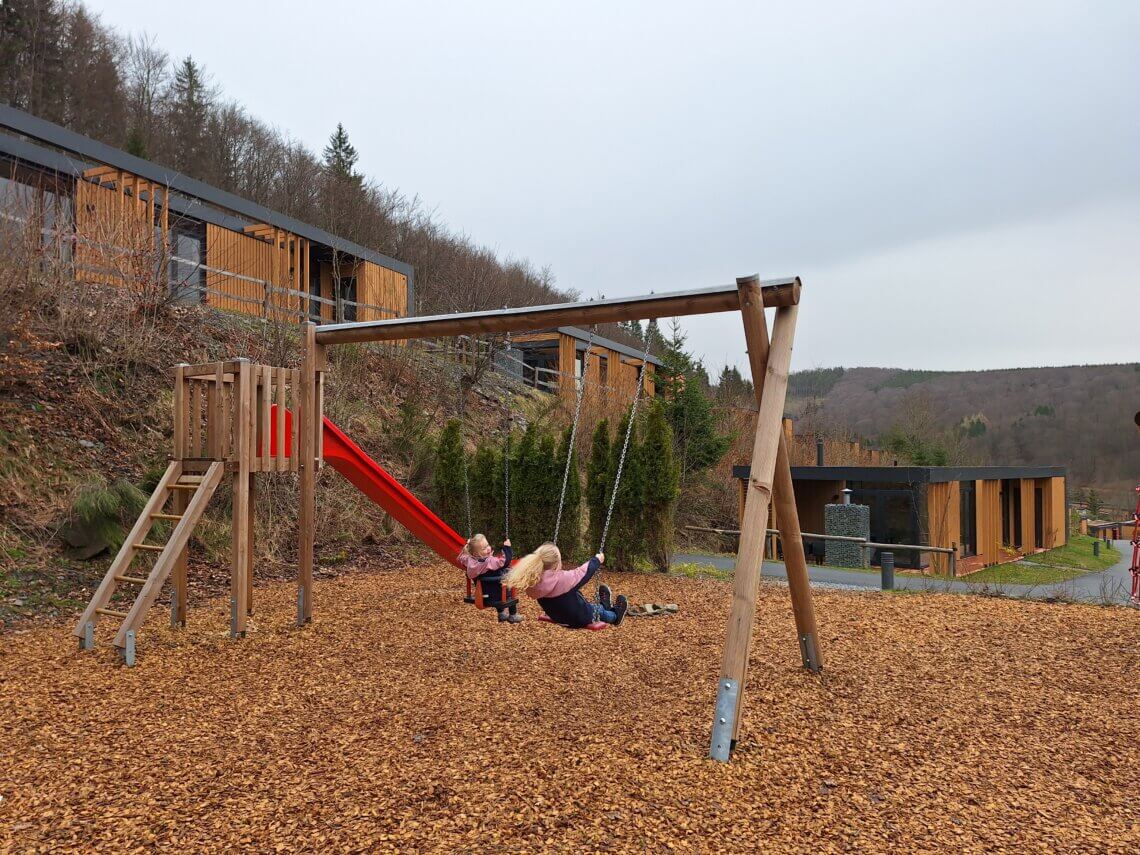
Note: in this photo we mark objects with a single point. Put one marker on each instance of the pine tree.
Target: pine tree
(340, 156)
(626, 537)
(191, 100)
(597, 481)
(699, 442)
(449, 486)
(570, 533)
(731, 387)
(662, 486)
(525, 477)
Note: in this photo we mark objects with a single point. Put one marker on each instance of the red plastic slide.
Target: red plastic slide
(347, 458)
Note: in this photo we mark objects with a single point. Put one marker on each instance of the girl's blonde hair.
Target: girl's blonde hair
(475, 542)
(529, 569)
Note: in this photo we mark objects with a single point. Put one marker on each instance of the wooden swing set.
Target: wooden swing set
(236, 418)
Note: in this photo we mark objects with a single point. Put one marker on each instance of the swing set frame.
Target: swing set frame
(770, 482)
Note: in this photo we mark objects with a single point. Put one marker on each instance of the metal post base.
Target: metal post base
(809, 652)
(129, 650)
(723, 719)
(300, 607)
(88, 640)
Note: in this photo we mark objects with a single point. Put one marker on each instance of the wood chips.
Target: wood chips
(404, 720)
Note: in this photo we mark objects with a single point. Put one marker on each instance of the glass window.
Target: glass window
(187, 255)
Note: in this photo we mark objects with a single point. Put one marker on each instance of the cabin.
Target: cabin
(116, 219)
(989, 514)
(552, 361)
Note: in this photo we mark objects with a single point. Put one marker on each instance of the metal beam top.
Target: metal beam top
(722, 298)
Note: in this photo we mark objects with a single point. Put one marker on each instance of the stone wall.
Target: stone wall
(845, 521)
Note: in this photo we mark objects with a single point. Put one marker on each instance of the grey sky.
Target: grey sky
(958, 183)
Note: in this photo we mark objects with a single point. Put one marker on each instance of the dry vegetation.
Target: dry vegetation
(402, 720)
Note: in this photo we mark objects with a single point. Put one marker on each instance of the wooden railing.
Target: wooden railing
(209, 401)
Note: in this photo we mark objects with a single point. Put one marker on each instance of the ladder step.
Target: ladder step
(136, 579)
(190, 479)
(183, 486)
(166, 516)
(111, 613)
(151, 547)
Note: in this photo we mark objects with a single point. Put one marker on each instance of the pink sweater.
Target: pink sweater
(557, 582)
(476, 567)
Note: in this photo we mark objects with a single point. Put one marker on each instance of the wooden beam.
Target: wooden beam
(750, 553)
(784, 497)
(98, 172)
(306, 516)
(724, 298)
(240, 526)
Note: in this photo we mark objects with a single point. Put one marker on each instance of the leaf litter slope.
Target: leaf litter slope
(403, 720)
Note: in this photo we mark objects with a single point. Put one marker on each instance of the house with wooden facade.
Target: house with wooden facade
(553, 359)
(989, 514)
(117, 219)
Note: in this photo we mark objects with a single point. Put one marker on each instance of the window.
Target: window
(187, 255)
(968, 515)
(315, 293)
(603, 370)
(348, 297)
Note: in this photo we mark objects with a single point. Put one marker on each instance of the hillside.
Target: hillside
(1079, 416)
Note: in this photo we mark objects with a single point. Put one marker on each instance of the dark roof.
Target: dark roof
(99, 153)
(914, 474)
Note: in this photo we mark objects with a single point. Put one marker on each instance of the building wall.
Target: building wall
(116, 239)
(988, 523)
(943, 520)
(241, 264)
(1055, 512)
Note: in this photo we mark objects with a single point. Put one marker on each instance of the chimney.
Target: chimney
(847, 491)
(819, 452)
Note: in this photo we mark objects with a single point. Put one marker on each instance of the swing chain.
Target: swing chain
(507, 459)
(573, 433)
(625, 446)
(463, 452)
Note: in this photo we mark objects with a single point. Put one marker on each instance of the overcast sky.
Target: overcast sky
(957, 183)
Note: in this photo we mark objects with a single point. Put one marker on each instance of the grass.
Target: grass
(1066, 562)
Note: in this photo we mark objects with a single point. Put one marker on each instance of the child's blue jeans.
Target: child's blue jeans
(603, 614)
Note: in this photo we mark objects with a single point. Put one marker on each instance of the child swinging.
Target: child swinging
(559, 592)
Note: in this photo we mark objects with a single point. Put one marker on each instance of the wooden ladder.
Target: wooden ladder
(200, 490)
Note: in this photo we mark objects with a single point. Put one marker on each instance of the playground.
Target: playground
(402, 719)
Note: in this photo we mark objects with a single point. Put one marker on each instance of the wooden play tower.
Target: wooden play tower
(231, 419)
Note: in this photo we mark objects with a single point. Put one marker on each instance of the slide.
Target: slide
(347, 458)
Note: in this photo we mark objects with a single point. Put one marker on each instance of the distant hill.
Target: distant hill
(1078, 416)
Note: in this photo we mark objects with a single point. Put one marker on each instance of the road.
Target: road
(1108, 586)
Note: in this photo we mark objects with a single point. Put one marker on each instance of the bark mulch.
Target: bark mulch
(402, 720)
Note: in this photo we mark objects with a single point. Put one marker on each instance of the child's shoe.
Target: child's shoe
(620, 608)
(506, 617)
(605, 597)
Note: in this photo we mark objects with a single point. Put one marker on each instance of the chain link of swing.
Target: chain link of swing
(625, 447)
(573, 434)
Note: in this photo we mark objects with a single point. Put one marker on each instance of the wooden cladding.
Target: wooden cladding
(116, 239)
(608, 373)
(206, 414)
(245, 273)
(944, 521)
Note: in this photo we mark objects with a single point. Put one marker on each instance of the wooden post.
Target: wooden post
(786, 514)
(750, 554)
(250, 540)
(240, 527)
(180, 499)
(306, 404)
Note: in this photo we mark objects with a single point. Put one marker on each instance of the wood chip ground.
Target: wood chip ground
(402, 720)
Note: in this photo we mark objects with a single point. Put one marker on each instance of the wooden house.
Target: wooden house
(121, 220)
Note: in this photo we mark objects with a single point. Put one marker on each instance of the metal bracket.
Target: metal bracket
(300, 606)
(88, 640)
(724, 716)
(809, 653)
(233, 617)
(129, 650)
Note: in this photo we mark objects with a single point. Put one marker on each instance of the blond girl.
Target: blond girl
(479, 562)
(540, 575)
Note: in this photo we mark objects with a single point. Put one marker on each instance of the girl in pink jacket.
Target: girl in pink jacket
(479, 562)
(558, 591)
